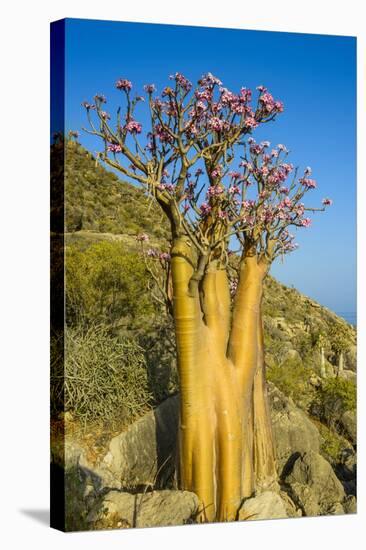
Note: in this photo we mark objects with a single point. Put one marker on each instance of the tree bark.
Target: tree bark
(217, 366)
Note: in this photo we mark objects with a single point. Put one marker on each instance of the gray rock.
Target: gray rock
(350, 504)
(349, 424)
(267, 505)
(294, 433)
(348, 375)
(143, 455)
(314, 486)
(158, 508)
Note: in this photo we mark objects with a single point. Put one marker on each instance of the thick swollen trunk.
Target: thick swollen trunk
(264, 451)
(217, 374)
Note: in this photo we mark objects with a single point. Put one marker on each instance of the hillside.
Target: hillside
(97, 200)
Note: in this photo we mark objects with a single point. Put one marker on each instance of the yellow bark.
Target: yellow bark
(216, 382)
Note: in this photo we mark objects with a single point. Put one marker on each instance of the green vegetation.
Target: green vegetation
(104, 378)
(106, 283)
(97, 200)
(291, 377)
(334, 397)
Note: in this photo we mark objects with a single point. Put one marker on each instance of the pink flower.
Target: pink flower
(250, 122)
(215, 190)
(305, 222)
(104, 115)
(88, 106)
(284, 190)
(152, 253)
(235, 175)
(182, 81)
(101, 98)
(164, 256)
(133, 127)
(308, 183)
(233, 190)
(149, 88)
(209, 80)
(246, 94)
(163, 134)
(215, 123)
(327, 202)
(205, 209)
(217, 172)
(123, 84)
(222, 215)
(114, 148)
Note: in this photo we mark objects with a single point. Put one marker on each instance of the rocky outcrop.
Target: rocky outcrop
(314, 487)
(267, 505)
(349, 425)
(158, 508)
(294, 433)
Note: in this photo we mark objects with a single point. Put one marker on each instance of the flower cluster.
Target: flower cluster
(124, 84)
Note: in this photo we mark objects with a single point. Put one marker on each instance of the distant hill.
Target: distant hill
(97, 200)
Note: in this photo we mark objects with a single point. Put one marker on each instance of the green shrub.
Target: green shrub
(104, 378)
(291, 377)
(332, 399)
(106, 283)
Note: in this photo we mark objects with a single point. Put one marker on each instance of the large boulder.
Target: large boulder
(142, 456)
(294, 433)
(154, 509)
(349, 425)
(313, 485)
(267, 505)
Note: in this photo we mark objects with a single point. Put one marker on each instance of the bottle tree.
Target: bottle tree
(220, 190)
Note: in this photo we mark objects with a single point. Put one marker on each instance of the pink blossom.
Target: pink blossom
(152, 253)
(209, 80)
(114, 148)
(235, 175)
(163, 134)
(124, 84)
(284, 190)
(216, 123)
(233, 190)
(133, 127)
(246, 94)
(104, 115)
(215, 190)
(308, 183)
(198, 172)
(182, 81)
(217, 172)
(150, 88)
(101, 98)
(222, 215)
(164, 256)
(88, 106)
(250, 122)
(205, 209)
(327, 202)
(305, 222)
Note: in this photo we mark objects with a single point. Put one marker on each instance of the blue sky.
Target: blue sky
(315, 77)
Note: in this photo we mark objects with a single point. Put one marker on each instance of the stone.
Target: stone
(350, 505)
(349, 424)
(151, 509)
(314, 486)
(348, 375)
(293, 432)
(267, 505)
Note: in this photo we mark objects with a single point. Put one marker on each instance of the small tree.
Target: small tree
(186, 164)
(339, 343)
